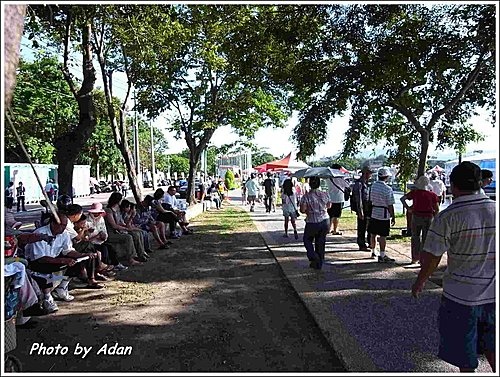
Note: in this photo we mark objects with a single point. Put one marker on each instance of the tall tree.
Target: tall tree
(66, 26)
(42, 106)
(435, 66)
(197, 73)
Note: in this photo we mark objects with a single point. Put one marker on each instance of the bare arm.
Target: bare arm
(429, 264)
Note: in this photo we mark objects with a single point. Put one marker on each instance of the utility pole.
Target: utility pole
(136, 143)
(153, 167)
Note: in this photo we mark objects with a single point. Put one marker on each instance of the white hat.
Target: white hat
(384, 172)
(422, 182)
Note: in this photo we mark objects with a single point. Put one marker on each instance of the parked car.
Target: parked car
(182, 186)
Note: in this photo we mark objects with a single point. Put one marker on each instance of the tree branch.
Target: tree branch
(65, 69)
(471, 78)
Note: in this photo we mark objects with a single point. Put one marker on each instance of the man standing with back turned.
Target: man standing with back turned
(466, 230)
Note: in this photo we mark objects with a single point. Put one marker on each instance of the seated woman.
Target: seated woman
(128, 212)
(213, 194)
(116, 225)
(145, 220)
(98, 235)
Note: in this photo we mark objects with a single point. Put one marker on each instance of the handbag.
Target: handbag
(297, 214)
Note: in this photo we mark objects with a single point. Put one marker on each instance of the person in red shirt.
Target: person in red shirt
(425, 207)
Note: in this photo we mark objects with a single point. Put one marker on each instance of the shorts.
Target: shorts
(335, 210)
(465, 332)
(379, 227)
(251, 198)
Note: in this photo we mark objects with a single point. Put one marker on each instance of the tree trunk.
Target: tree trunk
(129, 160)
(13, 31)
(69, 145)
(424, 148)
(194, 160)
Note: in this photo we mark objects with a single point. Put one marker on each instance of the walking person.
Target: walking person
(336, 188)
(359, 205)
(425, 207)
(486, 179)
(382, 216)
(289, 207)
(269, 192)
(438, 187)
(20, 196)
(315, 204)
(252, 187)
(466, 231)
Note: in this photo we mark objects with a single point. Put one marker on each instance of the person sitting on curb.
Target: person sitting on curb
(159, 213)
(171, 203)
(48, 257)
(115, 221)
(128, 212)
(145, 220)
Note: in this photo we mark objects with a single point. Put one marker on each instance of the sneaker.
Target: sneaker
(120, 267)
(385, 259)
(49, 306)
(62, 295)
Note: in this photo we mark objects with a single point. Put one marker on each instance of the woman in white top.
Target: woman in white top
(289, 201)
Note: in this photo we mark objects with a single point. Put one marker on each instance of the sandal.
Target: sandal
(337, 233)
(101, 277)
(94, 286)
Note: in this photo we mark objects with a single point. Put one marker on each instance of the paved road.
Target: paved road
(364, 309)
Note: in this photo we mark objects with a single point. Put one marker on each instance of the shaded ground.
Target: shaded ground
(216, 301)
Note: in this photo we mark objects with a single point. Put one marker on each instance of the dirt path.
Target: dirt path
(216, 301)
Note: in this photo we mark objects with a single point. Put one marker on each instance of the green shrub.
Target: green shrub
(229, 180)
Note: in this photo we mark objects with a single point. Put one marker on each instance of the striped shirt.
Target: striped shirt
(381, 196)
(466, 230)
(316, 202)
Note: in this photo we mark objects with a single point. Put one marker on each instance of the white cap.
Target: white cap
(384, 172)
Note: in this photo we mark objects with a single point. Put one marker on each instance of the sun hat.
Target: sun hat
(96, 208)
(384, 172)
(422, 182)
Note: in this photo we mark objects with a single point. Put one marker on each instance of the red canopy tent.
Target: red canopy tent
(286, 163)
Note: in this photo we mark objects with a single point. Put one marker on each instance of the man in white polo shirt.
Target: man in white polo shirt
(466, 230)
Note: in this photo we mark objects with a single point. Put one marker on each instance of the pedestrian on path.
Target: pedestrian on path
(336, 188)
(252, 187)
(359, 205)
(20, 196)
(315, 205)
(382, 216)
(289, 207)
(425, 207)
(466, 231)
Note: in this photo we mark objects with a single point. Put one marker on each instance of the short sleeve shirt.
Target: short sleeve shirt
(316, 202)
(466, 230)
(60, 245)
(335, 193)
(424, 202)
(382, 197)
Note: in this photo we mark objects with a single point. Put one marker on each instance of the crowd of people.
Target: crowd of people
(91, 247)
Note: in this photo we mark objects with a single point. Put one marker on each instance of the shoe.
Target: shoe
(120, 267)
(385, 259)
(35, 311)
(374, 256)
(163, 247)
(174, 237)
(149, 251)
(141, 259)
(101, 277)
(94, 286)
(49, 306)
(146, 255)
(169, 242)
(62, 295)
(364, 248)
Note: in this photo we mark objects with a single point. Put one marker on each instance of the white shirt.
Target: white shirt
(170, 199)
(438, 187)
(381, 196)
(335, 193)
(99, 225)
(60, 245)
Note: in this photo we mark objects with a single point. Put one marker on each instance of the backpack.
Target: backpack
(347, 194)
